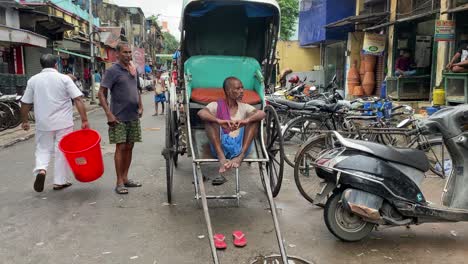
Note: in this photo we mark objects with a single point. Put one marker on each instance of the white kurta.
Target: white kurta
(51, 93)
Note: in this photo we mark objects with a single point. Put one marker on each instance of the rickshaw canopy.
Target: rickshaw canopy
(246, 28)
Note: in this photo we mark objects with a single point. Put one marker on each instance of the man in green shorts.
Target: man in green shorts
(124, 113)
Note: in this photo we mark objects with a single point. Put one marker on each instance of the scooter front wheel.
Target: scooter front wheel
(344, 224)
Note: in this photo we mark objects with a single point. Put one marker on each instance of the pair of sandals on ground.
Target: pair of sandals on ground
(239, 240)
(40, 180)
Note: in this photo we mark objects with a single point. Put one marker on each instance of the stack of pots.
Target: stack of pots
(353, 78)
(368, 80)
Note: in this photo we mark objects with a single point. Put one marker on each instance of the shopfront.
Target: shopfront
(413, 57)
(456, 84)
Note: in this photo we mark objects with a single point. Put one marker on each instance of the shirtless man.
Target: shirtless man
(231, 127)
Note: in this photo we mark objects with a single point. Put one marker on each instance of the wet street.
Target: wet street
(89, 223)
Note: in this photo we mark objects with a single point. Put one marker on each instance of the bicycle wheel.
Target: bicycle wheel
(8, 116)
(307, 181)
(438, 156)
(299, 130)
(16, 121)
(3, 120)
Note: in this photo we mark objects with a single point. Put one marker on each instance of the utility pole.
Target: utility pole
(91, 47)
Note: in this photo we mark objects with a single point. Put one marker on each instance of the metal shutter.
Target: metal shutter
(32, 56)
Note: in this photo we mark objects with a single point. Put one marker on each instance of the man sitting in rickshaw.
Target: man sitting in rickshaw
(231, 127)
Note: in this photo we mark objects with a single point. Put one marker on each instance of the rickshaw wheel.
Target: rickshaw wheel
(175, 136)
(169, 156)
(275, 149)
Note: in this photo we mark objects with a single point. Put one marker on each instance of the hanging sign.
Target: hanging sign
(374, 44)
(444, 30)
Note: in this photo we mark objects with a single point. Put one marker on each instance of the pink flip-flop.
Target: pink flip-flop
(239, 239)
(219, 240)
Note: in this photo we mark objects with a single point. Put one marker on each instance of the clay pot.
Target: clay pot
(358, 91)
(351, 86)
(362, 67)
(368, 84)
(353, 73)
(370, 62)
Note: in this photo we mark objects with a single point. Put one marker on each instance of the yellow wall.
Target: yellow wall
(296, 58)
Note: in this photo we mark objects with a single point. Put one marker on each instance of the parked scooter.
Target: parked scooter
(375, 184)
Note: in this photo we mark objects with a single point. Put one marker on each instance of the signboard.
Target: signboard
(139, 59)
(374, 44)
(444, 30)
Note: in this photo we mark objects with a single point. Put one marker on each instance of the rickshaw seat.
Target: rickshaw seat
(204, 77)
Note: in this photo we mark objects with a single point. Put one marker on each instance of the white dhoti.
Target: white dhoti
(46, 148)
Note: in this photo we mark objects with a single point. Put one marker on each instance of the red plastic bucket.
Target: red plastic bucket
(82, 150)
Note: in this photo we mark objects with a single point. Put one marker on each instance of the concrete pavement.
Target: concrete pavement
(89, 223)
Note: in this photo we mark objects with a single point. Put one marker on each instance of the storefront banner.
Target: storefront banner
(444, 30)
(139, 59)
(374, 44)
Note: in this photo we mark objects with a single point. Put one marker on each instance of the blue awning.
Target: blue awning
(314, 16)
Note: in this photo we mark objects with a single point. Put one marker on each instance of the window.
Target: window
(374, 6)
(407, 8)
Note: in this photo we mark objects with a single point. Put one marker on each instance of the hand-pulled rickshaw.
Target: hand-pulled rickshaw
(219, 39)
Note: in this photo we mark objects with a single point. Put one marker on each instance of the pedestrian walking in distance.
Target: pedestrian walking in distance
(51, 93)
(124, 113)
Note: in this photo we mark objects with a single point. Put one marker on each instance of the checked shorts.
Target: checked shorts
(125, 132)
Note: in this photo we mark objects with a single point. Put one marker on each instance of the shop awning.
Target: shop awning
(456, 9)
(16, 35)
(401, 20)
(361, 19)
(73, 53)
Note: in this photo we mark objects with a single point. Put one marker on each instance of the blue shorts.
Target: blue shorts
(232, 147)
(160, 98)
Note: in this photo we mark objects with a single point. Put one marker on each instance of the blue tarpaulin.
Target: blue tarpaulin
(314, 15)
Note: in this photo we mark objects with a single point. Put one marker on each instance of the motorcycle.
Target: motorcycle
(10, 115)
(377, 185)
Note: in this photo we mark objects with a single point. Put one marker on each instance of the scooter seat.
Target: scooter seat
(410, 157)
(311, 105)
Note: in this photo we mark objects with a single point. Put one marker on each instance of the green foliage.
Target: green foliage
(170, 43)
(289, 14)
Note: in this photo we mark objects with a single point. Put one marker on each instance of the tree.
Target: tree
(289, 14)
(170, 43)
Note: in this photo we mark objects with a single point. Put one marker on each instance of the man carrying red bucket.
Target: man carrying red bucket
(51, 93)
